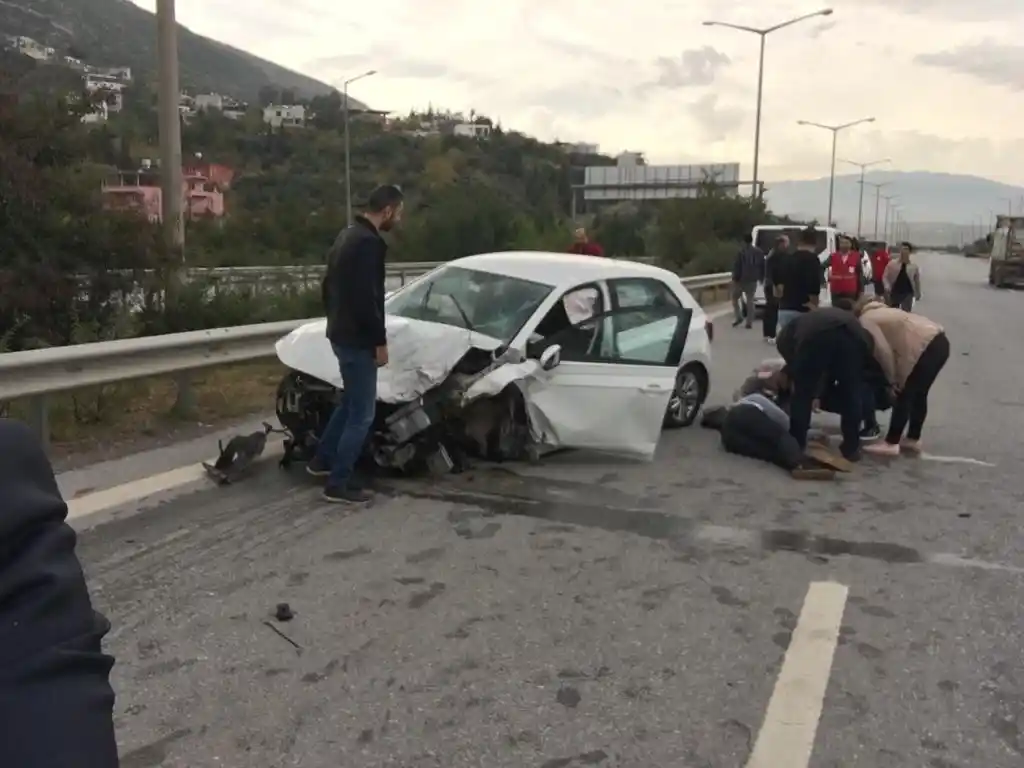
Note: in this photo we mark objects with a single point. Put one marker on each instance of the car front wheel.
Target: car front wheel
(687, 398)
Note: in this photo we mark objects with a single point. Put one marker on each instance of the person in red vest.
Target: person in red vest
(846, 279)
(879, 261)
(584, 245)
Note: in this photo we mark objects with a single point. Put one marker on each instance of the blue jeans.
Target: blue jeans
(786, 316)
(345, 435)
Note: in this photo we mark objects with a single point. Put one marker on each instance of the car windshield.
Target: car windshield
(495, 305)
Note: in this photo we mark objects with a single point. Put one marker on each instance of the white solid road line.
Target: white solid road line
(786, 739)
(137, 490)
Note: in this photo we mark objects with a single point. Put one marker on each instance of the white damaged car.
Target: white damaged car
(509, 355)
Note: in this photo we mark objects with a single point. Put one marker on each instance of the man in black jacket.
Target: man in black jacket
(826, 345)
(56, 703)
(353, 295)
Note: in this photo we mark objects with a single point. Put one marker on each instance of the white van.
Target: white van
(765, 235)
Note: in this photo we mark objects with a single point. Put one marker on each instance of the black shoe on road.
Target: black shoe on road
(851, 456)
(346, 495)
(735, 323)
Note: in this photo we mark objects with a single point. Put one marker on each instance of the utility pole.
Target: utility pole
(172, 193)
(348, 144)
(878, 198)
(888, 204)
(860, 205)
(757, 187)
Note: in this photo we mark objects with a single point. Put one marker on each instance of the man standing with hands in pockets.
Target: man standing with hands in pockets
(353, 295)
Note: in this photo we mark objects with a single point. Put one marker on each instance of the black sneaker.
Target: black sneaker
(317, 467)
(346, 495)
(870, 434)
(851, 456)
(735, 323)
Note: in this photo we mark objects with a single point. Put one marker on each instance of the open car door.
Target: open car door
(612, 384)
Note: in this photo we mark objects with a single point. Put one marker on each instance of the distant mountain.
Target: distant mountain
(942, 208)
(119, 33)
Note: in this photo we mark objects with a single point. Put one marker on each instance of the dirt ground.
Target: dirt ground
(107, 422)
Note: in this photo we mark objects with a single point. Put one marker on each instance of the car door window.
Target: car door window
(637, 336)
(568, 318)
(650, 298)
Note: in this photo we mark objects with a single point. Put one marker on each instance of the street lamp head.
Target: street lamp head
(802, 122)
(825, 12)
(374, 72)
(709, 23)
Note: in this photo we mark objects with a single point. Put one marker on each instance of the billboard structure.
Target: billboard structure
(629, 181)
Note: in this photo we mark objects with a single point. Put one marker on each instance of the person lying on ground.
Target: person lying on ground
(755, 427)
(826, 345)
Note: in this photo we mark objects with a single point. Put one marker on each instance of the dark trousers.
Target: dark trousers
(834, 355)
(879, 288)
(770, 316)
(912, 402)
(748, 431)
(345, 435)
(831, 402)
(906, 303)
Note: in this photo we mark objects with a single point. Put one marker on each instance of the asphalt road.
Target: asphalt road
(589, 612)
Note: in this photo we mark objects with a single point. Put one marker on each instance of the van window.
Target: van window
(766, 237)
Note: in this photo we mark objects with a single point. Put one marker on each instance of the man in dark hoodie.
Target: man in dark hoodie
(353, 296)
(826, 346)
(56, 703)
(747, 272)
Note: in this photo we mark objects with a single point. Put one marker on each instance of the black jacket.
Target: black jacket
(808, 325)
(749, 265)
(353, 288)
(56, 703)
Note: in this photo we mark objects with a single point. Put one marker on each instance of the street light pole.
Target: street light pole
(763, 34)
(878, 198)
(835, 134)
(860, 205)
(172, 193)
(888, 204)
(348, 145)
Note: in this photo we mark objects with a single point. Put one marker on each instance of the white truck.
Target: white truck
(1006, 262)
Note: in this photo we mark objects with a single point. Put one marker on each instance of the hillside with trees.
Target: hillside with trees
(117, 33)
(71, 271)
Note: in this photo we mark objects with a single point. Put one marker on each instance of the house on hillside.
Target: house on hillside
(29, 47)
(140, 191)
(220, 176)
(111, 87)
(473, 130)
(277, 116)
(100, 114)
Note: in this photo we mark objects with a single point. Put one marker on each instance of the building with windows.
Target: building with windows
(278, 116)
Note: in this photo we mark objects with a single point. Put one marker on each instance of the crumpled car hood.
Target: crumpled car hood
(421, 355)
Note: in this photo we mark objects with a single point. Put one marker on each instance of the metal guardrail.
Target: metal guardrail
(38, 374)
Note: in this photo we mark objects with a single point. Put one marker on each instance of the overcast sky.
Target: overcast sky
(944, 78)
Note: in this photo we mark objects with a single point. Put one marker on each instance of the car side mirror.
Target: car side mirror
(551, 357)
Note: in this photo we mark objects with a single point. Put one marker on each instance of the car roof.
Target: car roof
(560, 269)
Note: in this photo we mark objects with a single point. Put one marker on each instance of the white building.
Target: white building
(472, 130)
(120, 74)
(209, 101)
(285, 116)
(100, 114)
(29, 47)
(110, 86)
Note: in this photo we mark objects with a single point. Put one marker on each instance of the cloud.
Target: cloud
(693, 69)
(716, 122)
(953, 10)
(999, 65)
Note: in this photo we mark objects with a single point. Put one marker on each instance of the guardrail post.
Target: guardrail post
(185, 401)
(39, 418)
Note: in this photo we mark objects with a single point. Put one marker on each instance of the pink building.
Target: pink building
(140, 191)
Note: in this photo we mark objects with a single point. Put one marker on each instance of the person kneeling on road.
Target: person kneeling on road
(822, 346)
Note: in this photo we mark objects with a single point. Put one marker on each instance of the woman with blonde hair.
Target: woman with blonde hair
(911, 350)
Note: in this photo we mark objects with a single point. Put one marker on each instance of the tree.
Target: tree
(61, 253)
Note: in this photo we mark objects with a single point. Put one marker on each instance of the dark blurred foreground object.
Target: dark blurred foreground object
(56, 703)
